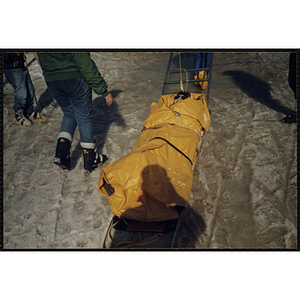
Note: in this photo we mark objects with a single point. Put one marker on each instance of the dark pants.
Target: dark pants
(202, 60)
(293, 73)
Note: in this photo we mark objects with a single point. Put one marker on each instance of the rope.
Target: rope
(186, 78)
(199, 148)
(181, 83)
(139, 242)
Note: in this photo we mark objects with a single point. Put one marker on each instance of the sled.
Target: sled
(125, 233)
(128, 233)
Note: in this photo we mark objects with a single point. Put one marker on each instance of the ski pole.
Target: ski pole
(41, 119)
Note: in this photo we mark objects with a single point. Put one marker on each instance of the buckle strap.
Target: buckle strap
(160, 138)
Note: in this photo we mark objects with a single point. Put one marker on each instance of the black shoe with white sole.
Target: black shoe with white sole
(92, 159)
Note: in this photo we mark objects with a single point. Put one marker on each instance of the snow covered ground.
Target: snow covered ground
(244, 193)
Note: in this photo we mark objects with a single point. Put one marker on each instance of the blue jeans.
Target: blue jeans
(202, 60)
(74, 97)
(23, 92)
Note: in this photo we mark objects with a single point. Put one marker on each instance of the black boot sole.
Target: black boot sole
(59, 163)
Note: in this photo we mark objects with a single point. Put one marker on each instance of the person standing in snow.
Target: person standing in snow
(17, 75)
(70, 78)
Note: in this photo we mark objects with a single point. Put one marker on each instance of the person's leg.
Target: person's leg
(16, 78)
(202, 60)
(208, 60)
(83, 109)
(30, 94)
(81, 99)
(293, 73)
(75, 99)
(292, 117)
(59, 90)
(197, 60)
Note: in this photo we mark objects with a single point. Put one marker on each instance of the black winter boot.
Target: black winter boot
(291, 118)
(92, 159)
(62, 154)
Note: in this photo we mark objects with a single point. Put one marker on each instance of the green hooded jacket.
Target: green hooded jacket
(62, 66)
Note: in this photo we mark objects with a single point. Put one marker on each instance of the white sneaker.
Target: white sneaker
(20, 118)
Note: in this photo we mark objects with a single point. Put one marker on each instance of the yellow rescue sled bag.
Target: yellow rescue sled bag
(154, 182)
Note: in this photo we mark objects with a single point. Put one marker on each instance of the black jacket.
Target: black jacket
(13, 60)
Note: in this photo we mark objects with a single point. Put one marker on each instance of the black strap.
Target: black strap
(109, 189)
(160, 138)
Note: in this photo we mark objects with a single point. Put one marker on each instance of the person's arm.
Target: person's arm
(90, 73)
(109, 99)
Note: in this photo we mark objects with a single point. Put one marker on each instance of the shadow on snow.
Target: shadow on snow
(257, 89)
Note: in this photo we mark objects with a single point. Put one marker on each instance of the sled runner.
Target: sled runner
(149, 188)
(126, 233)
